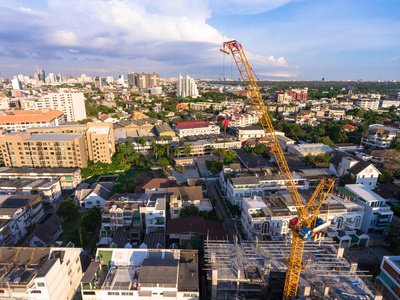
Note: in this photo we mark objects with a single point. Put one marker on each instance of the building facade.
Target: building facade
(21, 120)
(186, 87)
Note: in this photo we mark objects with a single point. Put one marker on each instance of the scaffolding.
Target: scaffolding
(256, 270)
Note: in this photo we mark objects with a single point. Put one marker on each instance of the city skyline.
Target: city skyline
(299, 39)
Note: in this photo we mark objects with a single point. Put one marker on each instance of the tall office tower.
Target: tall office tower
(121, 79)
(154, 80)
(51, 78)
(16, 84)
(41, 75)
(1, 79)
(131, 79)
(21, 77)
(110, 79)
(141, 80)
(59, 78)
(72, 104)
(186, 87)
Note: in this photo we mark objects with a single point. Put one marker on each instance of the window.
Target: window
(40, 284)
(36, 292)
(90, 293)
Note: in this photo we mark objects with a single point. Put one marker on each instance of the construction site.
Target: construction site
(257, 270)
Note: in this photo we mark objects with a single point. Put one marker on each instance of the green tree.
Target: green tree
(347, 179)
(189, 211)
(386, 176)
(393, 237)
(91, 219)
(163, 162)
(230, 156)
(188, 148)
(68, 209)
(219, 152)
(142, 142)
(180, 168)
(175, 151)
(342, 138)
(258, 148)
(326, 140)
(199, 117)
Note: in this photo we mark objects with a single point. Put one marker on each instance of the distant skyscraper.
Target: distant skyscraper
(131, 79)
(41, 75)
(186, 87)
(1, 79)
(323, 79)
(16, 84)
(110, 79)
(51, 78)
(154, 80)
(121, 79)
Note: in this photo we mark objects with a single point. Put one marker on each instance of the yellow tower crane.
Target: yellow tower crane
(307, 222)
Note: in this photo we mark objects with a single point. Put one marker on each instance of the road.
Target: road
(229, 225)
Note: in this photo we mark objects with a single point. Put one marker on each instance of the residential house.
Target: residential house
(94, 197)
(380, 136)
(193, 229)
(46, 232)
(184, 196)
(364, 172)
(390, 276)
(155, 213)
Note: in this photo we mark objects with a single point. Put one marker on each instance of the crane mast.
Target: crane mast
(307, 223)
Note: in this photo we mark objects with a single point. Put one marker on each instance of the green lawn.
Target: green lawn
(132, 175)
(92, 180)
(73, 224)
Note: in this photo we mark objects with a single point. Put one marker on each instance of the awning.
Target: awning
(354, 238)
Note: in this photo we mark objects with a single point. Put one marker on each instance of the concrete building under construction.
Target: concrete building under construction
(256, 270)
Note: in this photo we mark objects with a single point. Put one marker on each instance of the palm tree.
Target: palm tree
(188, 148)
(175, 152)
(142, 142)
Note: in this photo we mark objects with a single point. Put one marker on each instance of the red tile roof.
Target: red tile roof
(191, 124)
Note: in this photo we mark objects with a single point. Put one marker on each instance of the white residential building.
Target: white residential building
(243, 120)
(380, 136)
(142, 273)
(261, 185)
(186, 87)
(252, 133)
(364, 172)
(313, 149)
(193, 128)
(390, 276)
(48, 273)
(155, 213)
(269, 217)
(17, 215)
(377, 214)
(71, 104)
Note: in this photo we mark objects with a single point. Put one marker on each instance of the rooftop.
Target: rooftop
(53, 137)
(363, 192)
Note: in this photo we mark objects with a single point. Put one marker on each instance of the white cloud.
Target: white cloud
(266, 60)
(64, 38)
(240, 7)
(73, 50)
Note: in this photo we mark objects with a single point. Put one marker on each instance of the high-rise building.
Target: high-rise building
(71, 104)
(154, 80)
(16, 84)
(51, 78)
(110, 79)
(186, 87)
(41, 75)
(131, 79)
(121, 79)
(1, 79)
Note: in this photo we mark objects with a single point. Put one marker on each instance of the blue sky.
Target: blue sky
(283, 39)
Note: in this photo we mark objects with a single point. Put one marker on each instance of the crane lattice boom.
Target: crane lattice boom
(307, 222)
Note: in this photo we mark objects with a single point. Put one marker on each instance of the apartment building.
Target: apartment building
(142, 274)
(154, 213)
(40, 273)
(390, 276)
(71, 104)
(251, 133)
(242, 120)
(265, 183)
(367, 103)
(21, 120)
(48, 189)
(269, 217)
(18, 216)
(69, 177)
(193, 128)
(43, 150)
(208, 105)
(313, 149)
(380, 136)
(377, 213)
(99, 138)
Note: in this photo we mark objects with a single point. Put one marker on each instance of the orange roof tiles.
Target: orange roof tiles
(35, 116)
